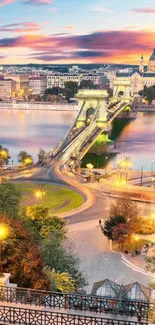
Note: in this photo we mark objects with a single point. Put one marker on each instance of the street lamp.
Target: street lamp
(136, 238)
(90, 167)
(4, 233)
(39, 194)
(28, 161)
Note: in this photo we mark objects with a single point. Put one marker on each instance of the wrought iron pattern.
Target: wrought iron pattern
(24, 316)
(76, 302)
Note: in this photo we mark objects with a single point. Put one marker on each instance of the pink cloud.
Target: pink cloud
(22, 27)
(5, 2)
(37, 2)
(104, 46)
(144, 11)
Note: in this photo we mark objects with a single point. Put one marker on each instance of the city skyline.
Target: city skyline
(100, 31)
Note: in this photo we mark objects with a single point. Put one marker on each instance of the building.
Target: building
(7, 87)
(131, 292)
(22, 81)
(37, 84)
(59, 80)
(138, 78)
(151, 64)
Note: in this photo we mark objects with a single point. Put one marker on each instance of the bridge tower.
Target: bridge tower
(91, 102)
(122, 87)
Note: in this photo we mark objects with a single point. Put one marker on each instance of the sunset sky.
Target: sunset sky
(76, 31)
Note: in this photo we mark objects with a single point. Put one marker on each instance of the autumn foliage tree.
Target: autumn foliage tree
(22, 257)
(123, 220)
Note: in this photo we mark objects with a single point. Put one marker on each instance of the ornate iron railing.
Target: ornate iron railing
(24, 316)
(74, 301)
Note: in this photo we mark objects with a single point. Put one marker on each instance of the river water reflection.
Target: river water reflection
(31, 130)
(134, 139)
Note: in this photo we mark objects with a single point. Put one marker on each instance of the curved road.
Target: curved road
(97, 260)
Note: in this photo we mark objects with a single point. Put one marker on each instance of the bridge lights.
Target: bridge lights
(90, 167)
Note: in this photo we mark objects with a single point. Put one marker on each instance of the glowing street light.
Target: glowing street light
(90, 166)
(136, 238)
(4, 233)
(39, 194)
(28, 161)
(4, 154)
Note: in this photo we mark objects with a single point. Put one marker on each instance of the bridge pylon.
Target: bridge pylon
(90, 100)
(122, 88)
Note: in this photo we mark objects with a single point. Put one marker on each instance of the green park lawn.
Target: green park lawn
(57, 199)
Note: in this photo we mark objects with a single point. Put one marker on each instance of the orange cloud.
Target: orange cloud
(69, 27)
(98, 47)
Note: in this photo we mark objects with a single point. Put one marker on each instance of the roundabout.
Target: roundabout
(57, 198)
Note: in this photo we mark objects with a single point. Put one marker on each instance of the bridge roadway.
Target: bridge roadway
(79, 141)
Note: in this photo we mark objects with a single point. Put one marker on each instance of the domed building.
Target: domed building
(138, 77)
(151, 64)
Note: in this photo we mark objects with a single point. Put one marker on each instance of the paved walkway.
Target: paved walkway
(97, 261)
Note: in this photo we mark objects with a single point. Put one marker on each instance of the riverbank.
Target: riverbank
(39, 106)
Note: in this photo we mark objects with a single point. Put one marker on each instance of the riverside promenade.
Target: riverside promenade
(39, 106)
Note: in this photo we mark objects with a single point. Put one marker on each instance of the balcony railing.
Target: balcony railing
(139, 309)
(24, 316)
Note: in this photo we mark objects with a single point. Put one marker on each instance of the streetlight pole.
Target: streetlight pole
(141, 176)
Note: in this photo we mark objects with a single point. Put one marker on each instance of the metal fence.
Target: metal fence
(98, 304)
(24, 316)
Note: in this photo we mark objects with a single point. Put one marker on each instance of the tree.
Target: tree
(4, 156)
(110, 223)
(124, 207)
(50, 232)
(22, 257)
(62, 282)
(25, 158)
(87, 84)
(41, 155)
(150, 94)
(121, 232)
(68, 93)
(9, 199)
(53, 91)
(59, 257)
(38, 219)
(70, 89)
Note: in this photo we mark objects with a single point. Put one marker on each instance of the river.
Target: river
(31, 130)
